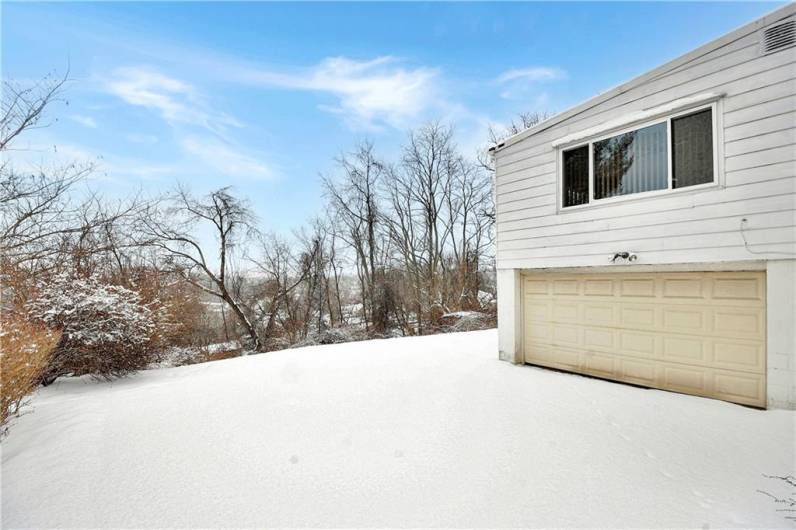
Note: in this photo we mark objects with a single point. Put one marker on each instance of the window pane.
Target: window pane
(576, 176)
(692, 149)
(631, 163)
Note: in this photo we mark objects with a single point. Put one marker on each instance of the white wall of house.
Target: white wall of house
(781, 335)
(687, 229)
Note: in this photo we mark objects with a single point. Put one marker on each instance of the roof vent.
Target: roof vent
(779, 37)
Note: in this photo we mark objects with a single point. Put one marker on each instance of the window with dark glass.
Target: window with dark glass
(675, 153)
(576, 176)
(692, 149)
(632, 162)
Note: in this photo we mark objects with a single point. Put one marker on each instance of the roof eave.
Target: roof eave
(746, 29)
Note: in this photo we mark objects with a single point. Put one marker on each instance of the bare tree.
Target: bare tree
(440, 224)
(284, 273)
(357, 207)
(336, 266)
(495, 135)
(44, 219)
(470, 224)
(23, 107)
(174, 232)
(420, 193)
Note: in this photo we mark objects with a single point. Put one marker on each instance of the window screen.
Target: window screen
(576, 176)
(692, 149)
(632, 162)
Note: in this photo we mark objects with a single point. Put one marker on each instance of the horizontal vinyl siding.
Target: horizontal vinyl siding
(717, 254)
(692, 242)
(764, 124)
(685, 217)
(668, 209)
(758, 119)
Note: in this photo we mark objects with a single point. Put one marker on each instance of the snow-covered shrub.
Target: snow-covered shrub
(467, 321)
(336, 336)
(179, 356)
(181, 315)
(106, 329)
(25, 351)
(276, 343)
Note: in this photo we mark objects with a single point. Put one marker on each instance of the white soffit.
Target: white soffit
(639, 116)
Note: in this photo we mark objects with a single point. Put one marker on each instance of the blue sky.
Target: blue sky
(264, 96)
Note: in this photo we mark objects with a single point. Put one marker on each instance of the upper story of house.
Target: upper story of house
(693, 162)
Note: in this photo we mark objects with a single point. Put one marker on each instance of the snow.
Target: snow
(223, 346)
(91, 312)
(627, 119)
(463, 314)
(423, 431)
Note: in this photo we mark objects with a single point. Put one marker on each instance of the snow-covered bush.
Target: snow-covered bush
(335, 336)
(467, 321)
(106, 329)
(25, 351)
(178, 356)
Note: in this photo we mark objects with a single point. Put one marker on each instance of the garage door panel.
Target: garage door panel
(685, 349)
(638, 372)
(739, 322)
(600, 314)
(638, 343)
(599, 287)
(638, 317)
(539, 332)
(538, 310)
(565, 357)
(638, 288)
(602, 365)
(555, 357)
(701, 333)
(566, 335)
(683, 288)
(739, 288)
(739, 355)
(566, 287)
(566, 312)
(685, 319)
(600, 338)
(685, 379)
(537, 287)
(743, 388)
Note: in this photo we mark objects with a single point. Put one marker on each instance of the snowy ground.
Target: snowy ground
(431, 431)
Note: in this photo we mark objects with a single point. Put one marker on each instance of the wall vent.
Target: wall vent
(779, 37)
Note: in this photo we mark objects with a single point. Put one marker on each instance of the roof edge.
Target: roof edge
(778, 14)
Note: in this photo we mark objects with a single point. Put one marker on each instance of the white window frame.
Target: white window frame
(667, 119)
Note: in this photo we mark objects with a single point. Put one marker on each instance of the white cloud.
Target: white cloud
(369, 93)
(532, 74)
(85, 121)
(200, 130)
(47, 152)
(225, 159)
(524, 83)
(177, 102)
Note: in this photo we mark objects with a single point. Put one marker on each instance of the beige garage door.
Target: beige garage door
(700, 333)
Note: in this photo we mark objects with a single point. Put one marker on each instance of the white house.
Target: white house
(648, 235)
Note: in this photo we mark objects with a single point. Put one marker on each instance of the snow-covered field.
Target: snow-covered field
(420, 432)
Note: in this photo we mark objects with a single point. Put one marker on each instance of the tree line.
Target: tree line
(403, 247)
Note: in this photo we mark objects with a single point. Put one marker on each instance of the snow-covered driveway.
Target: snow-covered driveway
(420, 432)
